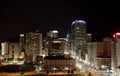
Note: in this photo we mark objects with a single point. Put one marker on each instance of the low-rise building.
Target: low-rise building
(52, 63)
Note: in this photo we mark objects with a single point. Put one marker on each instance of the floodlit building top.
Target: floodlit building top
(79, 21)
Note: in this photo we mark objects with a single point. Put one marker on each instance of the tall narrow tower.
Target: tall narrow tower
(22, 45)
(78, 38)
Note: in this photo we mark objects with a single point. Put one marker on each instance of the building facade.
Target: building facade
(57, 63)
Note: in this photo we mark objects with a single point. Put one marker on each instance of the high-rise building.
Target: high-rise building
(78, 38)
(52, 34)
(94, 55)
(91, 53)
(103, 53)
(115, 54)
(34, 44)
(107, 47)
(22, 45)
(5, 50)
(67, 45)
(56, 47)
(14, 50)
(10, 49)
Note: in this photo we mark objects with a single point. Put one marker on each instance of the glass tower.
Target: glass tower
(78, 38)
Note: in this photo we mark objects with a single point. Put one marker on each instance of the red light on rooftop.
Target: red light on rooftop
(114, 35)
(118, 34)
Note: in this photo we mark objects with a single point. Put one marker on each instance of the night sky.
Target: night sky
(102, 17)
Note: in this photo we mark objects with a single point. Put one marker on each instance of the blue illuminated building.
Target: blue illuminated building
(78, 38)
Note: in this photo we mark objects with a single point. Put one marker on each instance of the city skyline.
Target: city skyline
(102, 18)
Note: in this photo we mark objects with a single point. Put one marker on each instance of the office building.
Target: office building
(22, 51)
(78, 38)
(56, 47)
(51, 35)
(115, 54)
(4, 48)
(91, 53)
(34, 44)
(103, 54)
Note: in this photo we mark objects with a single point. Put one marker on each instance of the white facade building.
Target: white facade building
(10, 50)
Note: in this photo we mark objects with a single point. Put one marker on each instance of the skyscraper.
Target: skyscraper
(52, 34)
(56, 47)
(34, 43)
(115, 54)
(103, 54)
(78, 38)
(22, 44)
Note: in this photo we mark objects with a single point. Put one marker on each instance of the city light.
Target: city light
(79, 21)
(21, 35)
(55, 31)
(114, 36)
(54, 68)
(118, 34)
(56, 41)
(70, 53)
